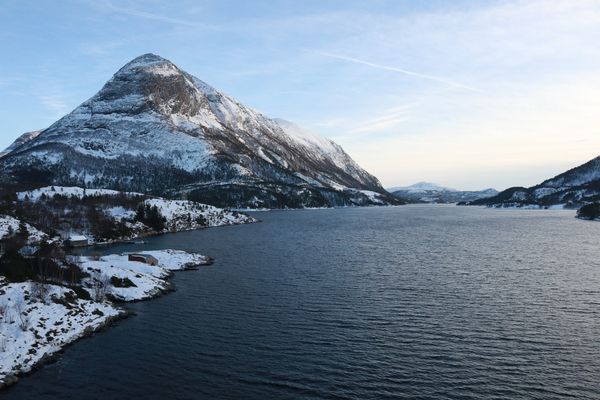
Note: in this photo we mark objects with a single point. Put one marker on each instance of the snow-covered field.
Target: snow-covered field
(136, 280)
(34, 326)
(10, 225)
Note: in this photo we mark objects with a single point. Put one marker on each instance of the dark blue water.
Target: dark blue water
(424, 302)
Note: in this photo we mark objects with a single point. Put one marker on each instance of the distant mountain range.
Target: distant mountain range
(156, 129)
(571, 189)
(425, 192)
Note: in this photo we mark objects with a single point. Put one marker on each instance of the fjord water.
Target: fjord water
(427, 302)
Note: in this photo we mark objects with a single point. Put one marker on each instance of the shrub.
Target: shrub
(122, 282)
(15, 268)
(589, 211)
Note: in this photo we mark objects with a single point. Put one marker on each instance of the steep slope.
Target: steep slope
(573, 188)
(153, 128)
(21, 140)
(425, 192)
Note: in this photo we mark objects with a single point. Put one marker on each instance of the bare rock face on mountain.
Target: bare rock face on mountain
(156, 129)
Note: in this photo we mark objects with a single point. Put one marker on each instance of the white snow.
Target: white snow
(31, 328)
(186, 215)
(120, 213)
(177, 260)
(74, 191)
(8, 224)
(375, 197)
(149, 280)
(77, 237)
(186, 132)
(519, 196)
(421, 187)
(543, 192)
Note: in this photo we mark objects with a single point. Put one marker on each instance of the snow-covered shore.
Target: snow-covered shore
(134, 281)
(121, 211)
(38, 320)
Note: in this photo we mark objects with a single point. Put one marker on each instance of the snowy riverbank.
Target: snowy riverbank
(38, 320)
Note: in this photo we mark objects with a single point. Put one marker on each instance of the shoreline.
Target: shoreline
(53, 356)
(152, 282)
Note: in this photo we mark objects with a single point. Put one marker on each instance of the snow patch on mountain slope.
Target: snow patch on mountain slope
(375, 197)
(420, 187)
(24, 138)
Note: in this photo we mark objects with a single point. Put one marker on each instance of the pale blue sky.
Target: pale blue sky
(468, 94)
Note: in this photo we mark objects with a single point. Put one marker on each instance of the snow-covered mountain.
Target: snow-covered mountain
(573, 188)
(24, 138)
(420, 187)
(426, 192)
(154, 128)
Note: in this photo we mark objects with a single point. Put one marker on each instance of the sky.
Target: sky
(467, 94)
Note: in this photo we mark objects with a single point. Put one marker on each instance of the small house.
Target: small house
(144, 258)
(77, 241)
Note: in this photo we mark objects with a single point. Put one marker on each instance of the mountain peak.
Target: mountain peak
(148, 58)
(154, 128)
(149, 62)
(422, 186)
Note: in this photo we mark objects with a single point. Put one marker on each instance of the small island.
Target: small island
(590, 212)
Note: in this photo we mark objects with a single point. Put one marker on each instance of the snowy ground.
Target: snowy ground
(187, 215)
(8, 224)
(180, 215)
(33, 326)
(136, 280)
(74, 191)
(177, 260)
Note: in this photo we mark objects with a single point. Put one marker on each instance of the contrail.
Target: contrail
(147, 15)
(400, 70)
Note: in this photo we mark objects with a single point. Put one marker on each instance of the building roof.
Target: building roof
(77, 238)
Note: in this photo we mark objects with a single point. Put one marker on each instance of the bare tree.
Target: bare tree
(100, 286)
(3, 341)
(3, 311)
(39, 291)
(21, 315)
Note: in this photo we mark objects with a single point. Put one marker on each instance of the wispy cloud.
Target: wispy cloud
(6, 81)
(399, 70)
(54, 103)
(151, 16)
(384, 120)
(101, 49)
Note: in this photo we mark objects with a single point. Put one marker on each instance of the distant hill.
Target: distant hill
(571, 189)
(426, 192)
